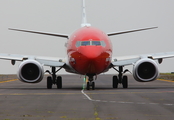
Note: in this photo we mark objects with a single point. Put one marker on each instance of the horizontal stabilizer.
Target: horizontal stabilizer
(118, 33)
(43, 33)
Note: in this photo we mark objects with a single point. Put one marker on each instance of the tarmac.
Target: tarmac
(141, 101)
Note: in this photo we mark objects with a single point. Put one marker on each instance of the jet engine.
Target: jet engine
(30, 71)
(145, 70)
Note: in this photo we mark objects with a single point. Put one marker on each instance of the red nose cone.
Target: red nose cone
(91, 52)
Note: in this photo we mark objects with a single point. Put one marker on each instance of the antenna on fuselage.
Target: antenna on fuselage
(84, 20)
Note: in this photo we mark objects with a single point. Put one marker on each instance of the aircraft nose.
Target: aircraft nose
(91, 52)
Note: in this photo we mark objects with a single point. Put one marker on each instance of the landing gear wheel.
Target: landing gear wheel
(125, 82)
(59, 82)
(49, 83)
(53, 79)
(87, 86)
(115, 82)
(90, 84)
(93, 85)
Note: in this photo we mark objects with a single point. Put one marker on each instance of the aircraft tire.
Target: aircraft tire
(88, 86)
(59, 82)
(125, 82)
(115, 82)
(49, 82)
(93, 85)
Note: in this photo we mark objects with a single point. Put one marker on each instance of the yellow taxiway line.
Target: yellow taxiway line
(86, 80)
(165, 80)
(8, 81)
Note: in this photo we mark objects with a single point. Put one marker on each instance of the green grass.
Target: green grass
(166, 76)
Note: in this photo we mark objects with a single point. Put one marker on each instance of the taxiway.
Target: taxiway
(141, 101)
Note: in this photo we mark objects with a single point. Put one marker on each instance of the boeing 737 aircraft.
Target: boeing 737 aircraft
(89, 53)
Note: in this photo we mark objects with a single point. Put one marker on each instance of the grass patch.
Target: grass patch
(166, 76)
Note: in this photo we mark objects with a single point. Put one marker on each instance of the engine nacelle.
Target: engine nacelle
(145, 70)
(30, 71)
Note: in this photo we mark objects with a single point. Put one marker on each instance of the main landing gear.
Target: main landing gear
(53, 79)
(90, 82)
(120, 79)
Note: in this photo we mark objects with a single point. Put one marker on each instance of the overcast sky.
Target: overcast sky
(64, 16)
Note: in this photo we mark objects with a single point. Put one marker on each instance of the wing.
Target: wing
(43, 33)
(130, 60)
(123, 61)
(46, 61)
(130, 31)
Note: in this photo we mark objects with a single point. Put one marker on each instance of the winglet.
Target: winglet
(84, 20)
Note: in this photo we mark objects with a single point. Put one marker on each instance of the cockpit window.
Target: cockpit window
(96, 42)
(90, 43)
(85, 43)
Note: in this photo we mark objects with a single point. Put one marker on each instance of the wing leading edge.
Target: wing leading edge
(43, 33)
(46, 61)
(131, 60)
(130, 31)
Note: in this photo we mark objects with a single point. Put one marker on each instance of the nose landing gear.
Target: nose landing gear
(90, 83)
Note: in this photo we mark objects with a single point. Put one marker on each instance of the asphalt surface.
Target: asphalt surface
(141, 101)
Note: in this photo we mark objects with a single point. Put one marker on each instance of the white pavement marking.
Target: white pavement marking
(169, 104)
(82, 91)
(154, 103)
(122, 102)
(141, 103)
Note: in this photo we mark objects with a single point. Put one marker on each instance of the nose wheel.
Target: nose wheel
(90, 83)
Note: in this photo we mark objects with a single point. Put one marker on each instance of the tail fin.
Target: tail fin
(84, 20)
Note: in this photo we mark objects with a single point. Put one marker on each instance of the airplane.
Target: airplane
(89, 53)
